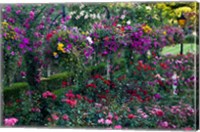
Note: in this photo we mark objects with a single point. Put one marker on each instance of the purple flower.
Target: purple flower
(31, 14)
(26, 41)
(105, 52)
(12, 53)
(8, 9)
(68, 18)
(164, 124)
(157, 96)
(8, 47)
(18, 12)
(22, 46)
(69, 46)
(17, 30)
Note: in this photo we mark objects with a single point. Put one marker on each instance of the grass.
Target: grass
(175, 49)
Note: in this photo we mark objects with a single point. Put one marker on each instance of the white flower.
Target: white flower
(194, 33)
(89, 40)
(148, 53)
(128, 22)
(77, 17)
(91, 15)
(82, 13)
(94, 16)
(98, 16)
(3, 9)
(82, 6)
(86, 16)
(123, 16)
(148, 7)
(119, 25)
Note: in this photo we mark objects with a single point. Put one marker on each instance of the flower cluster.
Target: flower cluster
(10, 121)
(49, 94)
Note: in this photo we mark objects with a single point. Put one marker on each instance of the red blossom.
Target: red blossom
(102, 96)
(70, 95)
(122, 78)
(78, 96)
(49, 94)
(107, 91)
(131, 116)
(97, 76)
(106, 38)
(18, 100)
(91, 85)
(49, 36)
(64, 84)
(72, 103)
(163, 65)
(159, 112)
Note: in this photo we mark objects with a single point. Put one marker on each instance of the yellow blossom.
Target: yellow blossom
(55, 54)
(4, 23)
(164, 33)
(146, 28)
(61, 47)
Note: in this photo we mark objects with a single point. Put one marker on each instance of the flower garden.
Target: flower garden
(98, 66)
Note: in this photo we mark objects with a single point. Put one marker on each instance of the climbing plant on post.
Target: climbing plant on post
(29, 24)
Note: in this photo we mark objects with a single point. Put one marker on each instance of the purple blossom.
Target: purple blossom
(157, 96)
(22, 45)
(8, 47)
(26, 41)
(8, 9)
(31, 14)
(69, 46)
(12, 53)
(18, 12)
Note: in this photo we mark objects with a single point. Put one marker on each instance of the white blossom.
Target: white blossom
(86, 16)
(82, 13)
(148, 7)
(77, 17)
(119, 25)
(128, 22)
(89, 40)
(123, 16)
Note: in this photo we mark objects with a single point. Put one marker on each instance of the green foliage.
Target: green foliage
(61, 91)
(55, 81)
(98, 69)
(13, 91)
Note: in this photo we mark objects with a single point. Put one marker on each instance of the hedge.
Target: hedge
(13, 91)
(51, 83)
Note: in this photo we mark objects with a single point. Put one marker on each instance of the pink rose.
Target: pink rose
(10, 121)
(65, 117)
(118, 127)
(55, 117)
(108, 122)
(101, 121)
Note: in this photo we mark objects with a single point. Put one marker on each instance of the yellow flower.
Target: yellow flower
(146, 28)
(4, 23)
(164, 33)
(55, 54)
(61, 47)
(83, 33)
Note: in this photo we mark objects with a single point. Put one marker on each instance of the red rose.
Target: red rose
(159, 113)
(131, 116)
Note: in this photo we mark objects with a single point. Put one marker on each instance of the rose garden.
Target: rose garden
(99, 65)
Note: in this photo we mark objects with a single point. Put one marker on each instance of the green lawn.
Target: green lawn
(176, 49)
